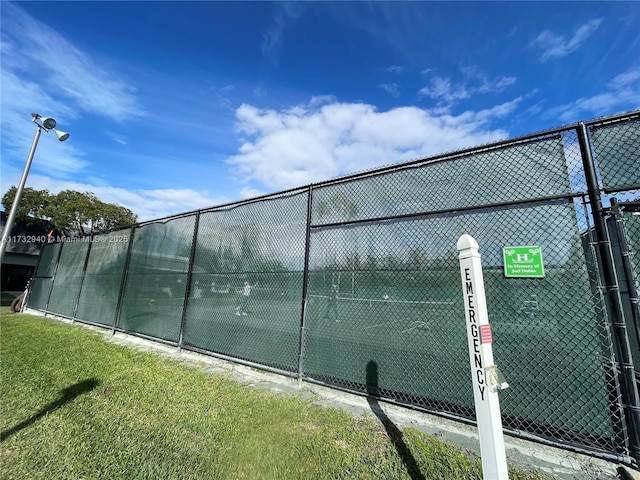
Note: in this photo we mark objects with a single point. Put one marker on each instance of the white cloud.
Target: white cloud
(29, 45)
(622, 94)
(147, 204)
(483, 83)
(248, 192)
(441, 89)
(286, 13)
(625, 79)
(250, 121)
(558, 46)
(322, 99)
(497, 111)
(295, 147)
(446, 92)
(18, 132)
(221, 96)
(392, 89)
(497, 84)
(395, 69)
(122, 140)
(74, 84)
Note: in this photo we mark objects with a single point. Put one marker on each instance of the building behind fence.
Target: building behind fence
(318, 282)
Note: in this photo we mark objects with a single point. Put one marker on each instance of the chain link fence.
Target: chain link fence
(355, 283)
(103, 278)
(247, 281)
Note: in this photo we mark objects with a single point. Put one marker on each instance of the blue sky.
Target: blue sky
(174, 106)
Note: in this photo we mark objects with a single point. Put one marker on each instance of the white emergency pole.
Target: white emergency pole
(487, 379)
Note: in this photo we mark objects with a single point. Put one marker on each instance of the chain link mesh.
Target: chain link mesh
(98, 300)
(40, 286)
(400, 304)
(355, 283)
(245, 301)
(156, 278)
(617, 149)
(632, 227)
(68, 279)
(625, 240)
(474, 179)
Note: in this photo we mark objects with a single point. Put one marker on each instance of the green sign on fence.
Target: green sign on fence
(523, 262)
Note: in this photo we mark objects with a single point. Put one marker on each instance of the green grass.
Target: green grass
(76, 407)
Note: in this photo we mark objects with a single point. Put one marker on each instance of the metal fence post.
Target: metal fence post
(185, 304)
(84, 274)
(53, 279)
(629, 390)
(627, 267)
(125, 272)
(305, 281)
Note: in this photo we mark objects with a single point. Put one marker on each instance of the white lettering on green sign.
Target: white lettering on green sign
(523, 262)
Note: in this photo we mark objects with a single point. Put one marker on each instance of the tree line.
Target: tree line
(80, 213)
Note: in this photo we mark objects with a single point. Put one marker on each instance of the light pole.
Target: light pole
(42, 123)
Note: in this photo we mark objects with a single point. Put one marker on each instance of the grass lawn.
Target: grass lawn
(76, 407)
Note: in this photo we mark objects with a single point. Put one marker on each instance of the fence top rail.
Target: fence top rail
(600, 122)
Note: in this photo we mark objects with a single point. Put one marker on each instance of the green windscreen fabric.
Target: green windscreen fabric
(39, 293)
(68, 278)
(632, 230)
(400, 307)
(156, 278)
(259, 247)
(40, 286)
(521, 172)
(48, 260)
(102, 282)
(617, 149)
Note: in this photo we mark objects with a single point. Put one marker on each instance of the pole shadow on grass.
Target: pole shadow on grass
(64, 396)
(393, 432)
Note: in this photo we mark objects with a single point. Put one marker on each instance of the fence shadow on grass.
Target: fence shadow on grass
(393, 432)
(65, 396)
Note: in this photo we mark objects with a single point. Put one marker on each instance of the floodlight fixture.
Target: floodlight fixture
(42, 123)
(62, 136)
(45, 122)
(48, 123)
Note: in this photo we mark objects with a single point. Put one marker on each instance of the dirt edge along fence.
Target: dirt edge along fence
(318, 282)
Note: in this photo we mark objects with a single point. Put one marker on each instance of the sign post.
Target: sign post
(487, 379)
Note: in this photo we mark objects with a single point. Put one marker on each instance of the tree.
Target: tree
(33, 204)
(70, 210)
